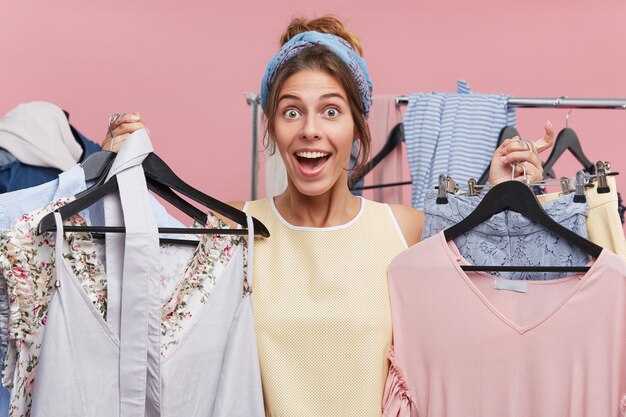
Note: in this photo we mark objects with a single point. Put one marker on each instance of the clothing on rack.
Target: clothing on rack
(38, 133)
(275, 174)
(29, 202)
(27, 262)
(384, 116)
(323, 337)
(509, 238)
(603, 224)
(555, 350)
(198, 309)
(37, 143)
(16, 175)
(453, 134)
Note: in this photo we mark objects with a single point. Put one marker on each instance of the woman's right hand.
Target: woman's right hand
(120, 129)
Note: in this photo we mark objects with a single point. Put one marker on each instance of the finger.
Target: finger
(127, 128)
(522, 156)
(106, 143)
(117, 142)
(504, 146)
(126, 118)
(528, 171)
(516, 146)
(547, 140)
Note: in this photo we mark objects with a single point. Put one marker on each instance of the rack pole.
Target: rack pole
(558, 102)
(253, 101)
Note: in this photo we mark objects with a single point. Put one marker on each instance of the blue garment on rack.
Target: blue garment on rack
(452, 134)
(509, 238)
(15, 175)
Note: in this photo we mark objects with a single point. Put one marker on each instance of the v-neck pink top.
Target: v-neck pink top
(463, 348)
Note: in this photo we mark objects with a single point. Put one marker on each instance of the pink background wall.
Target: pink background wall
(186, 65)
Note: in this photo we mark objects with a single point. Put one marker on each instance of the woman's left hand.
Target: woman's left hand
(523, 154)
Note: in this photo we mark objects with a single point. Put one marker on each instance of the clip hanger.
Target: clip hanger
(601, 171)
(581, 180)
(565, 185)
(473, 189)
(442, 190)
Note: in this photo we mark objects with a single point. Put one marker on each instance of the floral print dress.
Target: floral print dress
(27, 278)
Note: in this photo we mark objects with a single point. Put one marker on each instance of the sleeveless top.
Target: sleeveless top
(322, 313)
(87, 368)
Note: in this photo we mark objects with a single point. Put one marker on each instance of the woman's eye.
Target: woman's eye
(331, 112)
(291, 114)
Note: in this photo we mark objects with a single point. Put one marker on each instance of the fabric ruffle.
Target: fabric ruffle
(200, 277)
(27, 263)
(397, 400)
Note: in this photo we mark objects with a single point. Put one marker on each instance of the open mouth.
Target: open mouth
(312, 160)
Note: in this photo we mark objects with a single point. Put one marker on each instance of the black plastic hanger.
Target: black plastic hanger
(155, 168)
(567, 139)
(170, 196)
(515, 196)
(97, 165)
(394, 139)
(158, 171)
(507, 132)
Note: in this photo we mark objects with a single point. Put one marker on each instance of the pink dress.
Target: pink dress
(464, 348)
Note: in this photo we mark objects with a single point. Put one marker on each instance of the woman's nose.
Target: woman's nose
(311, 128)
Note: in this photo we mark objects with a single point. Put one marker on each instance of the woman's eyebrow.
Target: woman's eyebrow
(331, 95)
(288, 96)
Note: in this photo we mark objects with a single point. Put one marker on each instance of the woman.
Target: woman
(321, 303)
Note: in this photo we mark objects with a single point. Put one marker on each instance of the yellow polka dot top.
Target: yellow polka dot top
(322, 313)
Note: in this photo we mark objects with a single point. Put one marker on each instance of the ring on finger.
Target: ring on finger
(112, 119)
(115, 117)
(523, 144)
(528, 145)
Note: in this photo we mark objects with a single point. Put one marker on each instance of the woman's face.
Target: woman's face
(314, 131)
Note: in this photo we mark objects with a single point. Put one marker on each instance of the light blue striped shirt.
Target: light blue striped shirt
(452, 134)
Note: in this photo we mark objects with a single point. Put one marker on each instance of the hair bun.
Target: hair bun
(324, 24)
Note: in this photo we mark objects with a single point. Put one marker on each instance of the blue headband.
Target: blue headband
(339, 46)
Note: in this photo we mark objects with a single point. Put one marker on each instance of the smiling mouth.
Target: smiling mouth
(312, 160)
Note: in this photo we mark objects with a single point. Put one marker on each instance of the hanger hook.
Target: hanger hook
(567, 117)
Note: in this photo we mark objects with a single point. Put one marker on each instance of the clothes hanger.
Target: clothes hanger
(567, 139)
(516, 196)
(507, 132)
(96, 166)
(174, 199)
(394, 139)
(156, 171)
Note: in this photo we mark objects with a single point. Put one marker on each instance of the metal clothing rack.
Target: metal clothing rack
(557, 103)
(563, 102)
(254, 100)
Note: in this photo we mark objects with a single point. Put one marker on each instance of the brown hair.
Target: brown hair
(320, 58)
